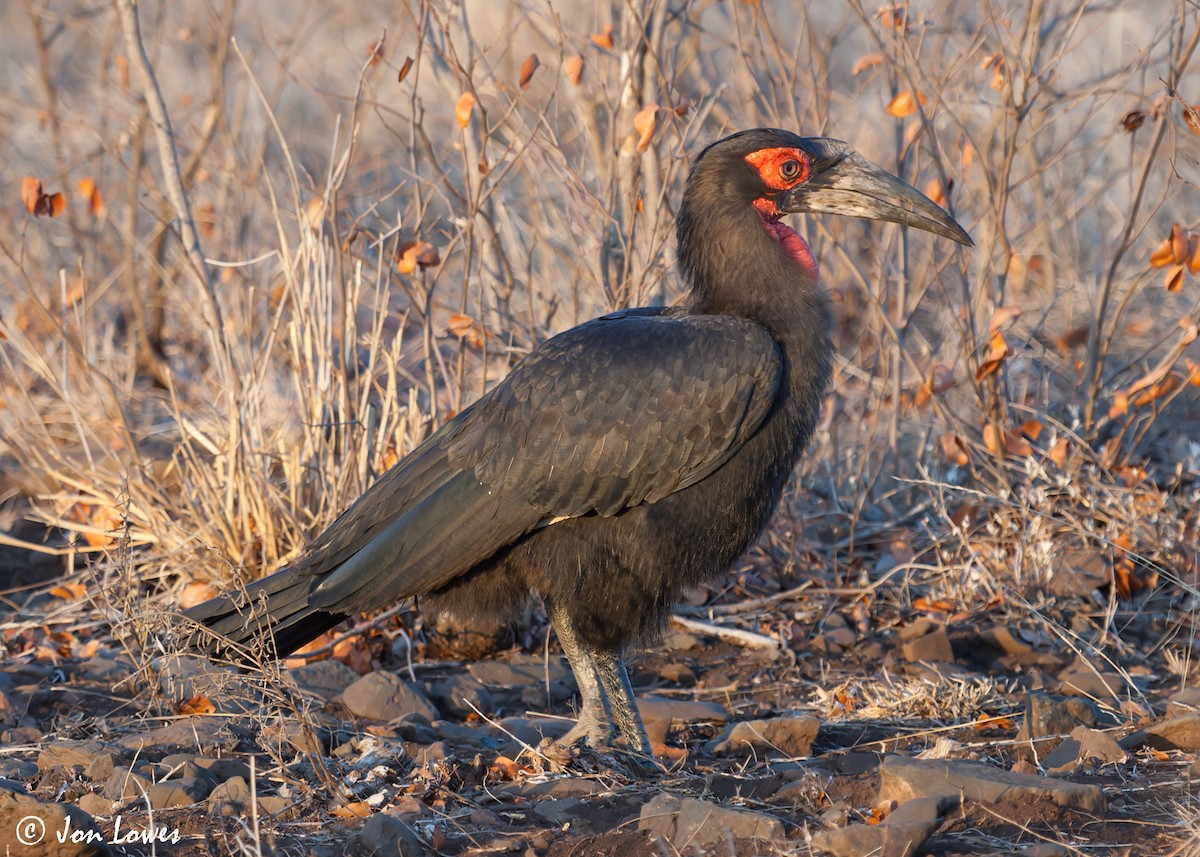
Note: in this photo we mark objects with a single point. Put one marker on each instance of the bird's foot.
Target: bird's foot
(597, 732)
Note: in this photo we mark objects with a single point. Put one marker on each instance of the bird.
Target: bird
(622, 461)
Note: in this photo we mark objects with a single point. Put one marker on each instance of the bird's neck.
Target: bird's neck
(739, 263)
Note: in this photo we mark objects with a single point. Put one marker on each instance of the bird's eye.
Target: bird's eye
(790, 170)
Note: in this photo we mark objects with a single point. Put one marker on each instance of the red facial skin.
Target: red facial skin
(769, 163)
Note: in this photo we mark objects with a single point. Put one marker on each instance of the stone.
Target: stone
(1174, 733)
(461, 695)
(677, 673)
(901, 834)
(685, 822)
(181, 792)
(94, 804)
(681, 642)
(74, 754)
(658, 713)
(924, 640)
(530, 730)
(187, 733)
(1084, 679)
(903, 779)
(36, 825)
(383, 696)
(560, 811)
(1183, 702)
(1048, 717)
(230, 798)
(124, 786)
(1083, 745)
(323, 679)
(524, 680)
(789, 736)
(384, 835)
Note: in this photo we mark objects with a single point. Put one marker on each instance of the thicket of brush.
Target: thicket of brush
(226, 327)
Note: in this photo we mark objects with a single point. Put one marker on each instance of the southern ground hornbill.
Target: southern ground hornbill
(623, 460)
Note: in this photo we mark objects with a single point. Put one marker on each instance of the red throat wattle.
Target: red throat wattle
(786, 237)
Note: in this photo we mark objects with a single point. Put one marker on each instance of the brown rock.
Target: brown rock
(73, 754)
(686, 822)
(900, 835)
(1083, 745)
(187, 733)
(1184, 702)
(1083, 679)
(789, 736)
(1175, 733)
(903, 779)
(384, 835)
(924, 640)
(230, 798)
(181, 792)
(32, 828)
(659, 713)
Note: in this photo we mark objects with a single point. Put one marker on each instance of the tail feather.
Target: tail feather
(277, 609)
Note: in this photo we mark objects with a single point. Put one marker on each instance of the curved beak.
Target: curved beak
(844, 182)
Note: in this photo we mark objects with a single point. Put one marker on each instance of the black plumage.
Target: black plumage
(623, 460)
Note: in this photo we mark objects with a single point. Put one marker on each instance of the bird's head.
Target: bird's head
(778, 172)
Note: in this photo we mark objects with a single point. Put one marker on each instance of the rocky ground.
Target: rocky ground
(791, 722)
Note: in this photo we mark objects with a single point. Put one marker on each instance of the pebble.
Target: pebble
(16, 809)
(383, 696)
(687, 822)
(790, 736)
(658, 713)
(323, 679)
(384, 835)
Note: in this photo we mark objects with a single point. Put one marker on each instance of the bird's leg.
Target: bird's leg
(625, 712)
(593, 722)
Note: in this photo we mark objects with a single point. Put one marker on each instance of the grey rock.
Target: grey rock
(685, 821)
(903, 779)
(561, 811)
(1083, 745)
(188, 733)
(230, 798)
(790, 736)
(1184, 701)
(323, 679)
(383, 696)
(461, 695)
(385, 835)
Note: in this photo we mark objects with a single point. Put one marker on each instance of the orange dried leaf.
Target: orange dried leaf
(968, 156)
(1193, 254)
(465, 327)
(573, 68)
(992, 439)
(954, 449)
(528, 67)
(37, 202)
(195, 593)
(69, 591)
(933, 190)
(463, 109)
(91, 195)
(1058, 452)
(1193, 371)
(604, 38)
(350, 811)
(405, 68)
(1031, 429)
(866, 63)
(1120, 405)
(197, 705)
(413, 254)
(905, 104)
(1003, 318)
(314, 213)
(1191, 117)
(644, 124)
(1173, 281)
(997, 352)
